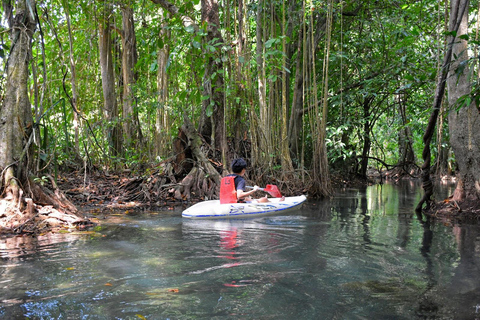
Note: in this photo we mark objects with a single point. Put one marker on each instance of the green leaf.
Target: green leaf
(190, 29)
(451, 33)
(153, 66)
(409, 77)
(196, 44)
(182, 95)
(209, 110)
(477, 100)
(160, 42)
(270, 43)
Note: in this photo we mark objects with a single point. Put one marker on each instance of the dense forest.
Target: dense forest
(169, 92)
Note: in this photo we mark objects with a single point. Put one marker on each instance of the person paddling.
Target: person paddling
(239, 168)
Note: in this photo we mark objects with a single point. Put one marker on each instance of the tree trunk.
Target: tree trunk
(16, 119)
(213, 124)
(458, 10)
(464, 124)
(286, 160)
(241, 81)
(262, 157)
(162, 126)
(131, 124)
(73, 79)
(203, 176)
(110, 106)
(321, 184)
(367, 142)
(213, 80)
(16, 124)
(405, 136)
(297, 110)
(443, 166)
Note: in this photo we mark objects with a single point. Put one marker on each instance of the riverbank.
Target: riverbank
(99, 195)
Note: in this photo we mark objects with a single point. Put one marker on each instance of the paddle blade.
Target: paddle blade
(228, 193)
(273, 190)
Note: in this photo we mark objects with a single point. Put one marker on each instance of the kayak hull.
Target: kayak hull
(212, 209)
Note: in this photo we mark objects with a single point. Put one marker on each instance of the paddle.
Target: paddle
(271, 189)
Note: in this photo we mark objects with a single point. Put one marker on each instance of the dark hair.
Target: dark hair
(238, 165)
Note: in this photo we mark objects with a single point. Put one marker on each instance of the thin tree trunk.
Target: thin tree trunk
(286, 160)
(303, 54)
(321, 185)
(367, 142)
(162, 126)
(296, 111)
(131, 125)
(264, 133)
(110, 105)
(73, 79)
(405, 137)
(443, 166)
(238, 124)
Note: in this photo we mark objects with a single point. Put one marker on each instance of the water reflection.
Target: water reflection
(364, 254)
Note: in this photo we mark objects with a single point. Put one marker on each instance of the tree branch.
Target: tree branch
(173, 10)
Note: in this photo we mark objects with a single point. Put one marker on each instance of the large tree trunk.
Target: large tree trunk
(213, 79)
(214, 124)
(16, 119)
(464, 124)
(17, 212)
(110, 106)
(437, 102)
(202, 179)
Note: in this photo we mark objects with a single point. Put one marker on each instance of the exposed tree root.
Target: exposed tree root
(458, 211)
(47, 210)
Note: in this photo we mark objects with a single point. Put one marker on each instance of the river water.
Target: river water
(364, 254)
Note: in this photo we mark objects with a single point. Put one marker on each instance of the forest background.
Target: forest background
(172, 91)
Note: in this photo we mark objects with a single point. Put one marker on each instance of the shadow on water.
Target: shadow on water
(363, 254)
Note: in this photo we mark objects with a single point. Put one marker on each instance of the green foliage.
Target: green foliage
(382, 55)
(41, 180)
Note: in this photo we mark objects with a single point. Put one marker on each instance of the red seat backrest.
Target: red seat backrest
(228, 193)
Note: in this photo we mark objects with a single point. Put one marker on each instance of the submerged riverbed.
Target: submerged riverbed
(363, 255)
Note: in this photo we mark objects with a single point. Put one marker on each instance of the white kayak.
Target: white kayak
(212, 209)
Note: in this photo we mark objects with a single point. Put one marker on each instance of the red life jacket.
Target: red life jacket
(228, 192)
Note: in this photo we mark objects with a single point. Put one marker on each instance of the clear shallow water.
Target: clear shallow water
(363, 255)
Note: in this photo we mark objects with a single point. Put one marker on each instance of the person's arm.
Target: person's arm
(243, 194)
